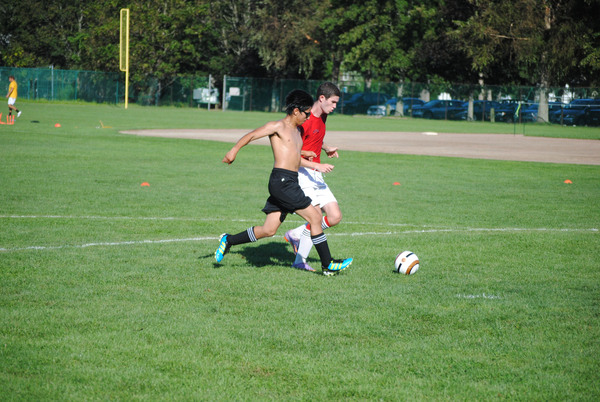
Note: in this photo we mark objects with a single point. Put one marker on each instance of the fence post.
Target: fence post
(76, 83)
(52, 80)
(209, 88)
(224, 101)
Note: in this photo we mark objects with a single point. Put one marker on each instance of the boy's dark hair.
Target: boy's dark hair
(11, 76)
(298, 99)
(328, 89)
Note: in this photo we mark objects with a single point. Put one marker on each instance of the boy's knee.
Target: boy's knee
(268, 232)
(315, 220)
(334, 219)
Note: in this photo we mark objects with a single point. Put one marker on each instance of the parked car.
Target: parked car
(529, 114)
(409, 104)
(438, 109)
(360, 102)
(379, 110)
(506, 112)
(593, 114)
(482, 110)
(576, 113)
(382, 110)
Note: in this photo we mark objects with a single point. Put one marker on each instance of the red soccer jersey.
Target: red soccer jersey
(313, 132)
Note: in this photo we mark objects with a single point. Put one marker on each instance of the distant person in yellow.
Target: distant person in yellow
(12, 96)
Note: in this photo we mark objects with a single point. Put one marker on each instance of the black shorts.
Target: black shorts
(286, 194)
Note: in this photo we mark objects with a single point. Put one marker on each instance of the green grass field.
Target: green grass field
(109, 290)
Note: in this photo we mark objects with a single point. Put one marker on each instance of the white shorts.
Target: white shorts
(11, 101)
(313, 185)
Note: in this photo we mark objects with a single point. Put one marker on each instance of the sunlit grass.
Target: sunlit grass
(109, 289)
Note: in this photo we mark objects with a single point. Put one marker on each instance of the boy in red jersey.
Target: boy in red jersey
(310, 175)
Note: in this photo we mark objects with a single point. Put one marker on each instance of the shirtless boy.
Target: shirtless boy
(286, 196)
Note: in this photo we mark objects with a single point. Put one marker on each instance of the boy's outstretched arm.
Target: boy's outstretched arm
(266, 130)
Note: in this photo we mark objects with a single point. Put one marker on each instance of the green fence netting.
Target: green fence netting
(268, 95)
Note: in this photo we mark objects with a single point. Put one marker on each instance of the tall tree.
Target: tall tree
(286, 37)
(437, 55)
(273, 38)
(370, 35)
(399, 39)
(235, 22)
(545, 42)
(169, 38)
(42, 37)
(533, 41)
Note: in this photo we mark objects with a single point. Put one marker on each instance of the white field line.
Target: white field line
(211, 238)
(481, 296)
(171, 218)
(295, 220)
(110, 218)
(108, 244)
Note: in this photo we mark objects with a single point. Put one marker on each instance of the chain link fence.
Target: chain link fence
(55, 84)
(455, 101)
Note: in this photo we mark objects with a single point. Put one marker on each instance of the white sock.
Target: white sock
(306, 243)
(297, 232)
(304, 247)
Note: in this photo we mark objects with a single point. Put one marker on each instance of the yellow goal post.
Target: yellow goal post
(124, 50)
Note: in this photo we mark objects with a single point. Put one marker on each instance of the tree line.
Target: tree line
(498, 42)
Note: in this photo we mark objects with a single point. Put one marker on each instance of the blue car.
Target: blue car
(409, 104)
(482, 110)
(593, 115)
(359, 103)
(577, 113)
(507, 111)
(529, 114)
(439, 109)
(382, 110)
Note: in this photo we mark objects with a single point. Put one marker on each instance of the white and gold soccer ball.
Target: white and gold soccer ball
(406, 263)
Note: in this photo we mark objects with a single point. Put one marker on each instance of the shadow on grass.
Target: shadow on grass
(262, 255)
(267, 254)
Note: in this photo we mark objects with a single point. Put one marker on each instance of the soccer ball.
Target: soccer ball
(406, 263)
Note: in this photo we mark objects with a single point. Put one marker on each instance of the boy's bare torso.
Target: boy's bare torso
(286, 143)
(285, 138)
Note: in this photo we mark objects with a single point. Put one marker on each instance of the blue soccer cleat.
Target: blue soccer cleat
(336, 266)
(223, 248)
